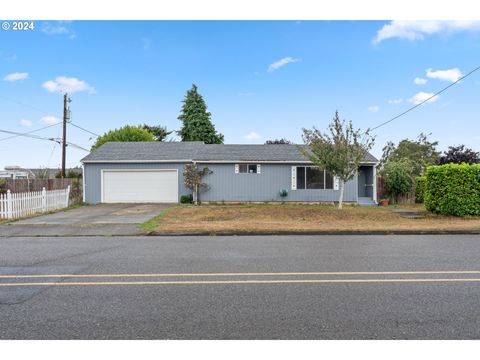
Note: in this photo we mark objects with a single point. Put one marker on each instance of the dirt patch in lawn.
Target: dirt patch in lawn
(278, 218)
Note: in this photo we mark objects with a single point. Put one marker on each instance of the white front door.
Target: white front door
(140, 186)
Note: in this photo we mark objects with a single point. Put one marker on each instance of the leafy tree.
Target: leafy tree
(459, 154)
(124, 134)
(278, 141)
(398, 178)
(339, 152)
(196, 120)
(160, 133)
(193, 179)
(420, 153)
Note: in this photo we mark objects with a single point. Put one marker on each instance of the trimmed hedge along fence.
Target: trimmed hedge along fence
(453, 189)
(420, 182)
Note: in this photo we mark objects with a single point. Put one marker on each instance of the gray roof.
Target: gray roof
(197, 151)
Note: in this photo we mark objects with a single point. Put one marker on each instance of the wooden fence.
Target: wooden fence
(27, 185)
(17, 205)
(382, 193)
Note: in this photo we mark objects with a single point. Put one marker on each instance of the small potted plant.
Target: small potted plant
(383, 202)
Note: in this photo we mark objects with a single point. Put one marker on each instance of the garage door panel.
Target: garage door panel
(140, 186)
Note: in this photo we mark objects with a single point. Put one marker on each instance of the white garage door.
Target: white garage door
(124, 186)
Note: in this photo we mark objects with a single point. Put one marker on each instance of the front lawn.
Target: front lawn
(278, 218)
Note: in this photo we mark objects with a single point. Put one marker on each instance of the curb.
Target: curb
(375, 232)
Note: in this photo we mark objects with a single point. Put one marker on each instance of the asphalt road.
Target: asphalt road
(257, 287)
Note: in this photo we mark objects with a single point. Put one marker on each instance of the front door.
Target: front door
(365, 181)
(361, 182)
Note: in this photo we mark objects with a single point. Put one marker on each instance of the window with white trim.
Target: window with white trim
(247, 168)
(309, 177)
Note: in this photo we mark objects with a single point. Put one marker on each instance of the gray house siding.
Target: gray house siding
(225, 185)
(93, 177)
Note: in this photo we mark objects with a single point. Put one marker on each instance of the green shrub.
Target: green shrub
(3, 186)
(186, 199)
(420, 188)
(398, 179)
(453, 189)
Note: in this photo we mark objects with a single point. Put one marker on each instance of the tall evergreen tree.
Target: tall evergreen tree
(196, 120)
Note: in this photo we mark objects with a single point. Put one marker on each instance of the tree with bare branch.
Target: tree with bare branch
(340, 152)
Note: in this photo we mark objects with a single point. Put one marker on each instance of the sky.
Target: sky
(260, 79)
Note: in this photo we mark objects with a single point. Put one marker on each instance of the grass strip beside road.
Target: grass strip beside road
(299, 218)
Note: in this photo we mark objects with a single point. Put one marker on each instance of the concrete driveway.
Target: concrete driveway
(102, 219)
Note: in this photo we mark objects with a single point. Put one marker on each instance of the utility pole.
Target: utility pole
(66, 100)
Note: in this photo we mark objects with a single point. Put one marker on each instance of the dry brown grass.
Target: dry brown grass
(271, 218)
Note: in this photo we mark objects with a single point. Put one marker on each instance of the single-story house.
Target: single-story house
(122, 172)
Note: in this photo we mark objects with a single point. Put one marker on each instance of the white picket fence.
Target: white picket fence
(17, 205)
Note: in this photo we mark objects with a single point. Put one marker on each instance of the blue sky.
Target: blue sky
(261, 79)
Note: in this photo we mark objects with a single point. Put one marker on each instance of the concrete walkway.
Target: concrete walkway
(99, 220)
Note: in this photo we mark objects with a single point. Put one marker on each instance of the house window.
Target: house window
(309, 177)
(301, 177)
(248, 169)
(243, 168)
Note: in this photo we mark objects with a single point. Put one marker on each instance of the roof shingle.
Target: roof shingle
(197, 151)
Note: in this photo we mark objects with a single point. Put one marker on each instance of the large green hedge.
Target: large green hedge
(420, 183)
(453, 189)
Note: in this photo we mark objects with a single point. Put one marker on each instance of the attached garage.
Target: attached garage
(140, 186)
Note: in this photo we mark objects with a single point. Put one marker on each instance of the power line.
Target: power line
(26, 105)
(45, 113)
(424, 101)
(77, 146)
(81, 128)
(57, 140)
(26, 133)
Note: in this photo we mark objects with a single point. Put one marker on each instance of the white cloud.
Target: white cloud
(373, 108)
(395, 101)
(417, 30)
(63, 84)
(25, 122)
(422, 96)
(282, 62)
(420, 81)
(16, 76)
(447, 75)
(49, 120)
(252, 136)
(59, 28)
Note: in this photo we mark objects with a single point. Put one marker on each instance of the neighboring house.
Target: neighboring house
(153, 172)
(16, 173)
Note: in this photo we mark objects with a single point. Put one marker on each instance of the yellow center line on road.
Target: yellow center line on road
(12, 276)
(215, 282)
